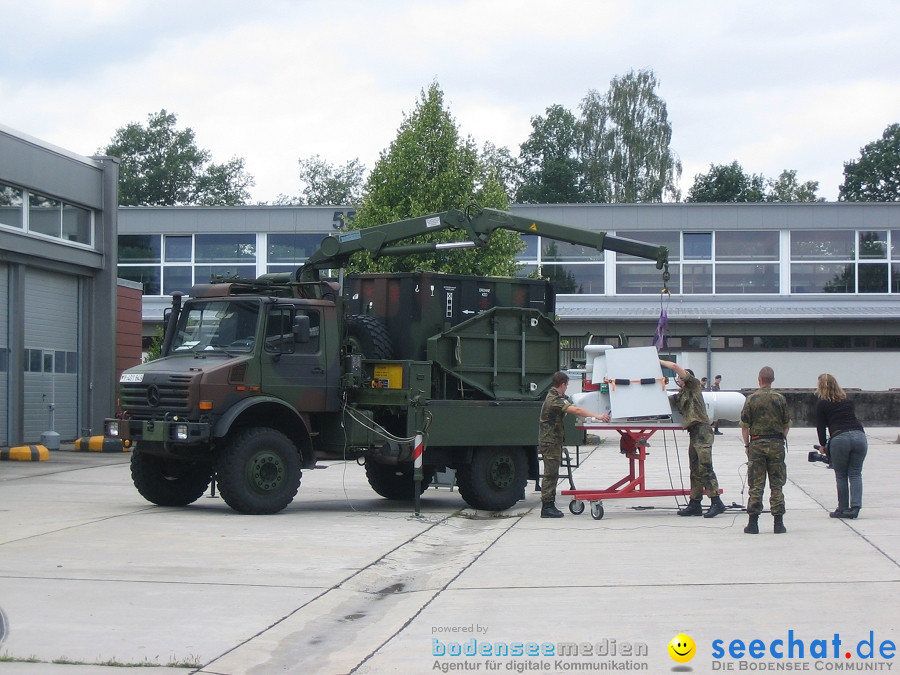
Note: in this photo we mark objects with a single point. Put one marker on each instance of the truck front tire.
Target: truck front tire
(258, 471)
(169, 482)
(495, 478)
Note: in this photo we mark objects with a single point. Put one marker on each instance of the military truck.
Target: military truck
(408, 374)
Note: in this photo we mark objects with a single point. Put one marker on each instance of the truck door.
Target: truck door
(300, 369)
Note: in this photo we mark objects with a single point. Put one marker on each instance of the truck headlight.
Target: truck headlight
(112, 429)
(181, 432)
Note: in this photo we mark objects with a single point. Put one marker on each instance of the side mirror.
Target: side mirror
(300, 329)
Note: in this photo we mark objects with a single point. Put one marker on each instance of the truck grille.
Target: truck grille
(168, 394)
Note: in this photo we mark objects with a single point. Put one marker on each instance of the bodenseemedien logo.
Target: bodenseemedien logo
(524, 656)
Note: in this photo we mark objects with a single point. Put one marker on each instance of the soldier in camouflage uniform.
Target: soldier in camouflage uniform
(551, 436)
(690, 404)
(765, 422)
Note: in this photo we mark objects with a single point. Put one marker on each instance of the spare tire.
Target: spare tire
(366, 335)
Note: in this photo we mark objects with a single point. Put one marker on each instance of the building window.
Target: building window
(846, 262)
(747, 245)
(530, 252)
(746, 278)
(11, 206)
(574, 279)
(138, 248)
(822, 244)
(571, 268)
(179, 248)
(177, 278)
(44, 216)
(286, 252)
(54, 218)
(146, 275)
(823, 278)
(641, 278)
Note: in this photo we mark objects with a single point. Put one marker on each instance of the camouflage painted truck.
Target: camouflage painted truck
(260, 379)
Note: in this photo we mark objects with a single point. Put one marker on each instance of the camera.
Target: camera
(816, 456)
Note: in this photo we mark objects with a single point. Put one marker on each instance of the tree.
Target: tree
(624, 143)
(162, 166)
(875, 176)
(785, 188)
(429, 169)
(729, 183)
(499, 163)
(550, 167)
(223, 184)
(325, 183)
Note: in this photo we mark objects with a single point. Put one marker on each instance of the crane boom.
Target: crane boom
(477, 224)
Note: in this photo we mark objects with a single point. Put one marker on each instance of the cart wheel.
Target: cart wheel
(597, 510)
(576, 507)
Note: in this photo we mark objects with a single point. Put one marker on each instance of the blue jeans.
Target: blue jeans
(848, 452)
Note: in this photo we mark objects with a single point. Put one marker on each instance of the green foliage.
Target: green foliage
(550, 166)
(427, 169)
(162, 166)
(729, 183)
(154, 349)
(785, 188)
(625, 142)
(327, 184)
(617, 151)
(875, 176)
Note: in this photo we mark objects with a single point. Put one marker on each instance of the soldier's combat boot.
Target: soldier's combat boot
(549, 510)
(779, 525)
(693, 508)
(753, 524)
(717, 507)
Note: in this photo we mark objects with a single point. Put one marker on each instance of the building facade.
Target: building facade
(57, 290)
(804, 288)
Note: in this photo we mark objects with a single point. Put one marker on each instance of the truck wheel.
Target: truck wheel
(395, 481)
(495, 479)
(169, 482)
(258, 471)
(366, 335)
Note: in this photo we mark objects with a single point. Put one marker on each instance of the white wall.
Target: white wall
(869, 371)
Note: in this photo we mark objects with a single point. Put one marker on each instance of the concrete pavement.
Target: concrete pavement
(93, 579)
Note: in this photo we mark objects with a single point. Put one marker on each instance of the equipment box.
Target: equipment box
(415, 306)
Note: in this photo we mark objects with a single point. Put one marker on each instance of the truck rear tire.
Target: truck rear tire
(395, 481)
(169, 482)
(495, 479)
(369, 337)
(258, 471)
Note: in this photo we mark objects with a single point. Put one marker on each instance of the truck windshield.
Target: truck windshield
(221, 325)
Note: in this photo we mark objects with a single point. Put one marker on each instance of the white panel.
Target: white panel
(634, 399)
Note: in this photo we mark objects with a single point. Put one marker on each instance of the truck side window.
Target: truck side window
(279, 336)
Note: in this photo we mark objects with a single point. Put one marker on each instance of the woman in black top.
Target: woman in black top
(847, 444)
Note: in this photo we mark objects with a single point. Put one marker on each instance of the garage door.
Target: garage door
(4, 354)
(51, 355)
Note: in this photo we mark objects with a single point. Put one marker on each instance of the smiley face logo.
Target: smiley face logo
(682, 648)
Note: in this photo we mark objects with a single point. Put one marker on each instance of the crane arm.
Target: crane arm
(477, 225)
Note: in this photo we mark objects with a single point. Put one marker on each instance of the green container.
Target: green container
(417, 306)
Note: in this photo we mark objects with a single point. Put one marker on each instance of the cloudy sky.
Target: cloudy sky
(775, 85)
